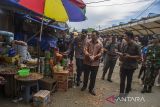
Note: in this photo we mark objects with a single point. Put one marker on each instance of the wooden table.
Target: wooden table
(28, 82)
(30, 78)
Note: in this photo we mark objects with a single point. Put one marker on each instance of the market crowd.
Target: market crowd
(91, 49)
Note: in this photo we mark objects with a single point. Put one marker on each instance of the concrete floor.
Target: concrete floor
(75, 98)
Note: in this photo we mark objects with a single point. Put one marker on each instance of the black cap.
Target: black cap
(95, 31)
(129, 34)
(84, 31)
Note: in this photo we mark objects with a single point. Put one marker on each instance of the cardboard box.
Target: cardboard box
(41, 98)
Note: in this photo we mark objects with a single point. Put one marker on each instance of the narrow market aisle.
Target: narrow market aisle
(75, 98)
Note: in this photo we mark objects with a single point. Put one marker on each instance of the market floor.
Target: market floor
(75, 98)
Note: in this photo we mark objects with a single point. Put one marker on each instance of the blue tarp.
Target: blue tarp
(58, 27)
(47, 42)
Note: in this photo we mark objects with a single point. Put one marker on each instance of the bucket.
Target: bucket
(23, 72)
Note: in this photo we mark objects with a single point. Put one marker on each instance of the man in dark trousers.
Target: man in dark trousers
(111, 58)
(129, 56)
(93, 51)
(79, 44)
(152, 61)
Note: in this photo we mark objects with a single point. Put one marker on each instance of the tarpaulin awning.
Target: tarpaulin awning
(58, 27)
(50, 25)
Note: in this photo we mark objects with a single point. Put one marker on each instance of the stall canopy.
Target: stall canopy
(146, 26)
(50, 25)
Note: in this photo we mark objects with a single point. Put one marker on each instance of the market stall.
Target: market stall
(19, 68)
(15, 58)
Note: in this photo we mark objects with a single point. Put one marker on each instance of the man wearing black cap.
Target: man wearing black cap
(79, 44)
(129, 56)
(110, 58)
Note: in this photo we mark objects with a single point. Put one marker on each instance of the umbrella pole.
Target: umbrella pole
(40, 38)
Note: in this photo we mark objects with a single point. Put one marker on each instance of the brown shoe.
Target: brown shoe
(83, 88)
(92, 92)
(102, 78)
(109, 80)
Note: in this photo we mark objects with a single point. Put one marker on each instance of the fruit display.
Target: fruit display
(59, 57)
(58, 68)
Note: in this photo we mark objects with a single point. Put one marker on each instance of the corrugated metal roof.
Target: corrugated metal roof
(145, 26)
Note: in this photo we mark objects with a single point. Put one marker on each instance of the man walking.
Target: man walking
(79, 44)
(111, 58)
(152, 61)
(130, 55)
(93, 51)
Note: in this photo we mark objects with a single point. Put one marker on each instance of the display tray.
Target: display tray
(8, 70)
(31, 77)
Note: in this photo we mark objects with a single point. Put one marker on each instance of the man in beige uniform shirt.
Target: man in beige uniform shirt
(92, 54)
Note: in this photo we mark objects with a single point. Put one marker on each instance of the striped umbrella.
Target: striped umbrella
(59, 10)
